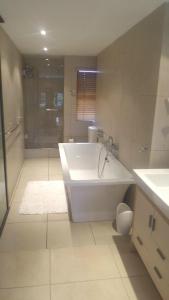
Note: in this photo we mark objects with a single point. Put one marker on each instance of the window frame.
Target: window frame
(85, 70)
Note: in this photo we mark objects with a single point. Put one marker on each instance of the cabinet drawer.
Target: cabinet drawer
(158, 276)
(159, 280)
(140, 244)
(143, 215)
(160, 236)
(161, 261)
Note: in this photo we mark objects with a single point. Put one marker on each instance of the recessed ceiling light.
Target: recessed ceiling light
(45, 49)
(46, 58)
(43, 32)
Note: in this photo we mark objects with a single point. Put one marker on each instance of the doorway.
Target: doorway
(3, 181)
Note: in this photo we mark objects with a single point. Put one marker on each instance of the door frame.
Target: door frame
(3, 151)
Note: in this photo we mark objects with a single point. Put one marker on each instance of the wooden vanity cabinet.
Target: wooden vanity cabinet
(151, 238)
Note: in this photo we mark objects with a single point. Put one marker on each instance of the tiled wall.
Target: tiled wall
(127, 88)
(72, 127)
(160, 140)
(11, 68)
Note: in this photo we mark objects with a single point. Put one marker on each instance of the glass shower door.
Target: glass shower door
(3, 192)
(50, 114)
(44, 101)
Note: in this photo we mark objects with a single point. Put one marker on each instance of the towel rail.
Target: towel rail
(9, 132)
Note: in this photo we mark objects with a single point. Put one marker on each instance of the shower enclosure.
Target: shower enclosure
(43, 101)
(3, 186)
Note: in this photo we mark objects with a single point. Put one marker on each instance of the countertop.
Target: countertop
(155, 183)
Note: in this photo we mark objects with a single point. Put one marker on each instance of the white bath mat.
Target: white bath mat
(44, 197)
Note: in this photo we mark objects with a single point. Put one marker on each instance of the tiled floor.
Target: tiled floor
(49, 258)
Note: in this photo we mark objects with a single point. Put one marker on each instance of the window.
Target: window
(86, 95)
(43, 99)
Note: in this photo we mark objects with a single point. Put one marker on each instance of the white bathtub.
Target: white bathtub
(91, 198)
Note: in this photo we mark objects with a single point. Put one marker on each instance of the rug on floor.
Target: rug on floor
(44, 197)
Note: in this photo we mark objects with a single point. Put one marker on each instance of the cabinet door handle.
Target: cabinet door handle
(158, 273)
(161, 254)
(139, 240)
(150, 221)
(153, 224)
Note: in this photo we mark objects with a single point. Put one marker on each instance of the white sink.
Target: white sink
(161, 180)
(155, 183)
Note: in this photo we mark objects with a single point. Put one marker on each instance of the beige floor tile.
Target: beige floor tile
(58, 176)
(23, 236)
(32, 177)
(58, 217)
(123, 244)
(103, 228)
(31, 293)
(18, 193)
(53, 153)
(55, 163)
(82, 264)
(104, 240)
(141, 288)
(66, 234)
(103, 232)
(111, 289)
(20, 269)
(35, 170)
(15, 217)
(38, 162)
(35, 167)
(55, 169)
(129, 264)
(40, 153)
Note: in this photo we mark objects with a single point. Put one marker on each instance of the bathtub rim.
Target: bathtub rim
(75, 182)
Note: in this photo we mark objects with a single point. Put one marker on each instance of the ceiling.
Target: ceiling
(74, 27)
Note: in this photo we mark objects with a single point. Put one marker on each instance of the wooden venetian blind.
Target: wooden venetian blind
(86, 95)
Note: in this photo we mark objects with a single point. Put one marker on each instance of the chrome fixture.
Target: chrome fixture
(111, 148)
(100, 135)
(101, 170)
(143, 148)
(109, 143)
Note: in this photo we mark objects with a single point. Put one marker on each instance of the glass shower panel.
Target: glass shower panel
(44, 100)
(3, 195)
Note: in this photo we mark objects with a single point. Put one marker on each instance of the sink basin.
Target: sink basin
(155, 183)
(160, 180)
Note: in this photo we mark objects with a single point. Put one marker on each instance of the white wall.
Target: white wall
(160, 140)
(127, 88)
